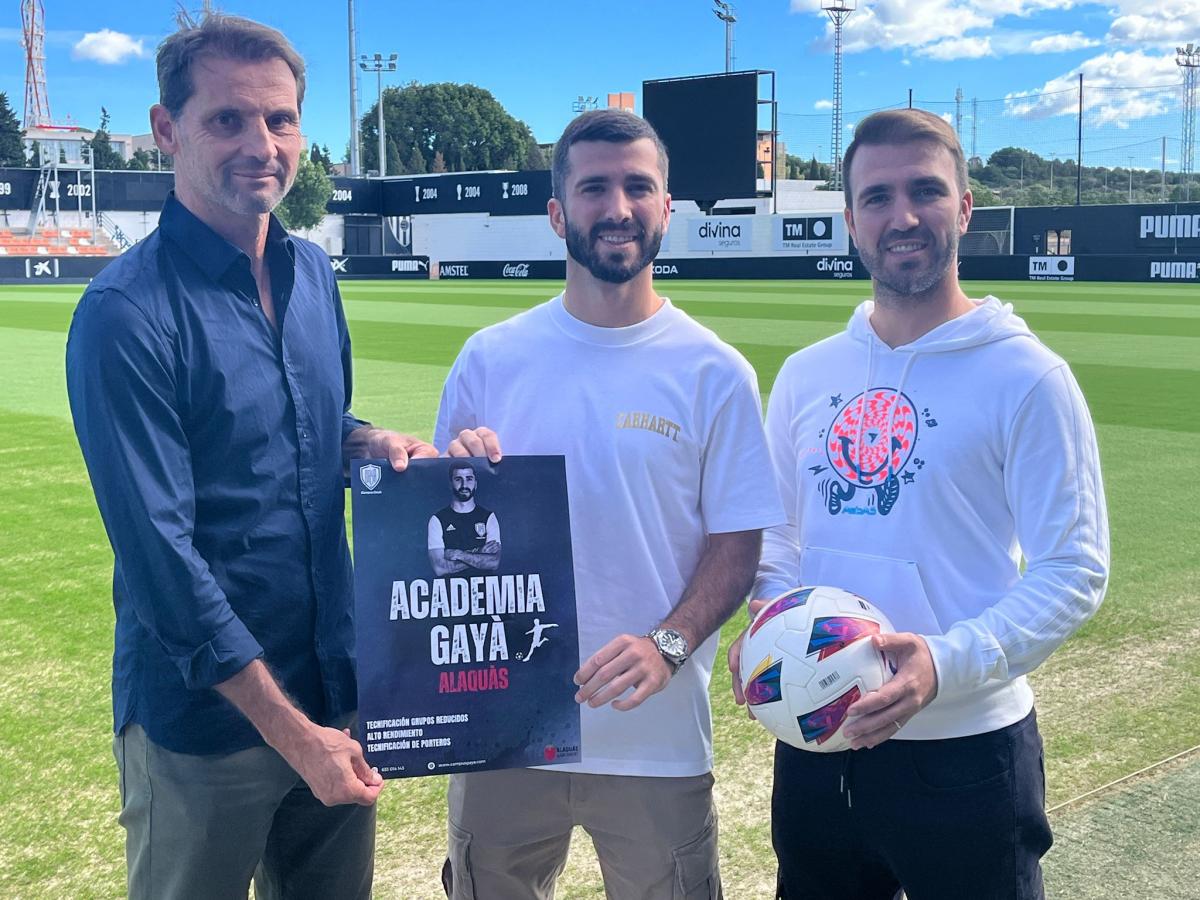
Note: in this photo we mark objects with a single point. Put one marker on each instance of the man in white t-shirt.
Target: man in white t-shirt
(660, 426)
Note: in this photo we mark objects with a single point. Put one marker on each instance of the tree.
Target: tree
(416, 162)
(35, 155)
(439, 163)
(535, 159)
(320, 158)
(464, 122)
(12, 145)
(983, 196)
(304, 205)
(394, 166)
(142, 160)
(103, 154)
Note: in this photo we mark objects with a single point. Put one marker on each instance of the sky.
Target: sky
(539, 56)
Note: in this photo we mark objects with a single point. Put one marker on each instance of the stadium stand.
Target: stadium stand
(56, 242)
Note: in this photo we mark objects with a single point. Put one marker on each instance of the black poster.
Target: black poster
(465, 615)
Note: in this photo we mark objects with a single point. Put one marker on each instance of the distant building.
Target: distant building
(622, 100)
(66, 141)
(767, 156)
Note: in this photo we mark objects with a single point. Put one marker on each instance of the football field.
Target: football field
(1122, 695)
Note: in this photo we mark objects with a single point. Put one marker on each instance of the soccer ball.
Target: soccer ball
(806, 657)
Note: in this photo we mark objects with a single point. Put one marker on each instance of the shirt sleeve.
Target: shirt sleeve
(736, 490)
(122, 389)
(779, 565)
(458, 408)
(1053, 484)
(434, 539)
(493, 528)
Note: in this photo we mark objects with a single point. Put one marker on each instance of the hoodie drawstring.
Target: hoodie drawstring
(896, 394)
(844, 786)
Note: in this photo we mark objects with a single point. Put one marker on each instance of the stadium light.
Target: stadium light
(379, 64)
(1188, 59)
(724, 12)
(839, 11)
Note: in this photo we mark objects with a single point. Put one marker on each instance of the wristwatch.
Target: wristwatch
(672, 645)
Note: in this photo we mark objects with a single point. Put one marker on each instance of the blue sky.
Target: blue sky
(537, 56)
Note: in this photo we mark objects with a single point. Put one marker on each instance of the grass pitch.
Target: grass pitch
(1122, 694)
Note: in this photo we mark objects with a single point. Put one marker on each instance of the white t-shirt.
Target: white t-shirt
(661, 427)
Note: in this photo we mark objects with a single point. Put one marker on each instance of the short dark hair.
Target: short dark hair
(616, 126)
(216, 34)
(902, 126)
(459, 466)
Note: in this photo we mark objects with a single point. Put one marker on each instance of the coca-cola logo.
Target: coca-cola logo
(516, 270)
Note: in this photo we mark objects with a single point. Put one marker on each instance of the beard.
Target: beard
(464, 494)
(220, 189)
(912, 282)
(610, 265)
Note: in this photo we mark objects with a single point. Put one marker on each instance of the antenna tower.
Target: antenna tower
(839, 11)
(33, 26)
(974, 127)
(958, 99)
(1188, 59)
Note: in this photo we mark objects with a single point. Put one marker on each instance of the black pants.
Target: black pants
(955, 819)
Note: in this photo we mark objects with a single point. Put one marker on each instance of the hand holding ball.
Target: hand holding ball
(806, 657)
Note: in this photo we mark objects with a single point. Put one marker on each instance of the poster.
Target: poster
(465, 615)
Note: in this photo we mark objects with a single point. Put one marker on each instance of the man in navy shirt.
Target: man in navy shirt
(209, 376)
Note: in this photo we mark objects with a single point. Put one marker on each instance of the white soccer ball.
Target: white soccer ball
(806, 657)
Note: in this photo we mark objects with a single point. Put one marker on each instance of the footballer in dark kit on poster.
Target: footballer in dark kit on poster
(465, 615)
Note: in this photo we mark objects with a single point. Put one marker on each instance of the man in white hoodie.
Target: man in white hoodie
(922, 453)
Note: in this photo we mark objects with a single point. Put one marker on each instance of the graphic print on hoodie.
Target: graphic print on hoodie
(868, 445)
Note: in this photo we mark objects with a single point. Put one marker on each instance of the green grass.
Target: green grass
(1120, 695)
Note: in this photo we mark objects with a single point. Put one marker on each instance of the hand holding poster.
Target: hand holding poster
(465, 615)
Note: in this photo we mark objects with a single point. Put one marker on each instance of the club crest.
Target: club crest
(370, 475)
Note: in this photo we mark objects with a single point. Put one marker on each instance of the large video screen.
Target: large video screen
(710, 126)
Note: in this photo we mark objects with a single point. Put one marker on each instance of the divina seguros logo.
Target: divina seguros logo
(836, 267)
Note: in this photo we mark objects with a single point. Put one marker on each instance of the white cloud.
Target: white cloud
(1062, 43)
(823, 104)
(958, 48)
(1103, 105)
(946, 30)
(1024, 8)
(109, 47)
(1170, 22)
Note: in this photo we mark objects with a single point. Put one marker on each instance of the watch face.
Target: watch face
(672, 643)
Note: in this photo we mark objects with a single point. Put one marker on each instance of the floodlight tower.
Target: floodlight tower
(354, 169)
(724, 12)
(1188, 59)
(839, 11)
(379, 64)
(33, 38)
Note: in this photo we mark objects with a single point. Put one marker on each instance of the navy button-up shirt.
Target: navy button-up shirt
(214, 445)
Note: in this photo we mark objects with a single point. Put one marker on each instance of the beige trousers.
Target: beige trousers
(656, 838)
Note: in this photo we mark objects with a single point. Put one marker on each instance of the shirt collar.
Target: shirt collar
(208, 250)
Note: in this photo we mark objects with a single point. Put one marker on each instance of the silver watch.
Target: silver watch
(672, 645)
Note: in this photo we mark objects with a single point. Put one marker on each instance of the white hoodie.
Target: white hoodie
(974, 447)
